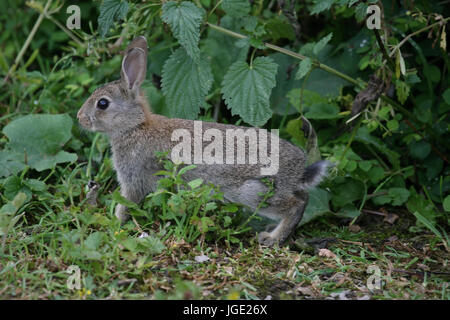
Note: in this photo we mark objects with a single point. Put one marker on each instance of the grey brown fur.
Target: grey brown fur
(135, 134)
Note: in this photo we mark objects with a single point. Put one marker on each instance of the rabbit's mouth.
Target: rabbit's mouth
(86, 123)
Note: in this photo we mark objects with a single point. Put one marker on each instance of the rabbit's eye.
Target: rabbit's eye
(102, 104)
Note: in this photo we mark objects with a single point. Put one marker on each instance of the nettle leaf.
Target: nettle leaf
(303, 68)
(185, 84)
(184, 18)
(37, 140)
(246, 89)
(322, 43)
(321, 5)
(236, 8)
(111, 10)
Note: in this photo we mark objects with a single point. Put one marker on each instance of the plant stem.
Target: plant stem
(28, 40)
(359, 84)
(383, 50)
(289, 53)
(68, 32)
(416, 33)
(214, 9)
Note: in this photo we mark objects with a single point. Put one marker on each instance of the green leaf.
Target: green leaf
(402, 89)
(349, 211)
(150, 245)
(418, 203)
(186, 169)
(427, 224)
(13, 185)
(279, 29)
(318, 205)
(398, 195)
(38, 138)
(446, 203)
(236, 8)
(363, 135)
(14, 205)
(322, 111)
(111, 10)
(184, 18)
(246, 89)
(309, 99)
(10, 163)
(7, 213)
(321, 5)
(210, 206)
(185, 84)
(132, 206)
(446, 96)
(94, 240)
(195, 183)
(35, 185)
(392, 125)
(365, 165)
(360, 11)
(376, 174)
(322, 43)
(295, 129)
(303, 68)
(347, 192)
(420, 149)
(212, 47)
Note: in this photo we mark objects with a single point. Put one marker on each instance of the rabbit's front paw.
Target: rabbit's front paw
(120, 213)
(266, 239)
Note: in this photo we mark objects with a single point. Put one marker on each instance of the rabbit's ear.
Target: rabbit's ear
(134, 64)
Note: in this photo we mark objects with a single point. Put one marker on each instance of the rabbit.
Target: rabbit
(120, 110)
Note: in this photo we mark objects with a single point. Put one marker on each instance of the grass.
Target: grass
(149, 257)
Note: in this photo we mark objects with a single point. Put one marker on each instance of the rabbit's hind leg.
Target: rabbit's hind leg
(132, 194)
(291, 216)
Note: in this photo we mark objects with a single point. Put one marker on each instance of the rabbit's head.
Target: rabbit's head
(119, 105)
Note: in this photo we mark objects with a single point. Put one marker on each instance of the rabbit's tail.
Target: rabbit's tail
(314, 174)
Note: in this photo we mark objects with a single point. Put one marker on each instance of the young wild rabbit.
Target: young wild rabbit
(120, 110)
